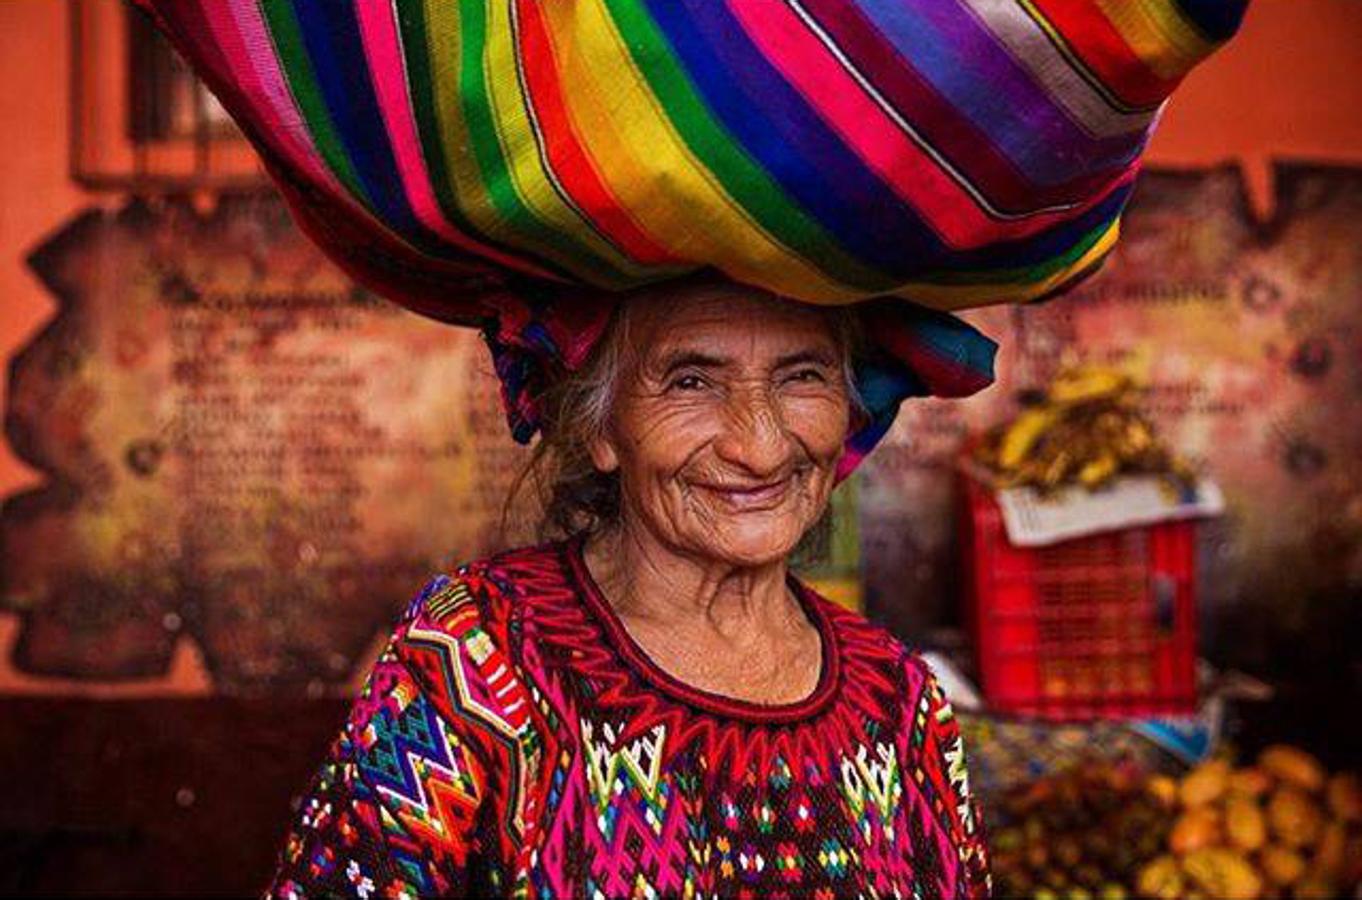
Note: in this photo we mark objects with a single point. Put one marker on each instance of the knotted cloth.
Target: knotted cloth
(521, 166)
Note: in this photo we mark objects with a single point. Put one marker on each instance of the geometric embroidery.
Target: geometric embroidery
(414, 761)
(630, 774)
(460, 772)
(959, 776)
(953, 753)
(877, 779)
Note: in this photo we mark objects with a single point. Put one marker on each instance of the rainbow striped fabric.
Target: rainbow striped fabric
(500, 162)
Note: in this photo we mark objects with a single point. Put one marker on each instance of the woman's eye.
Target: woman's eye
(687, 383)
(807, 375)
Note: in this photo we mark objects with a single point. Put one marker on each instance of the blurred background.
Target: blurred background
(224, 470)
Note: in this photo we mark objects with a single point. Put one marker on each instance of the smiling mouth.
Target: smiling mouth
(751, 498)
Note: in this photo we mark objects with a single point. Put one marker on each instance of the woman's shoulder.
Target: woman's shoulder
(482, 593)
(454, 640)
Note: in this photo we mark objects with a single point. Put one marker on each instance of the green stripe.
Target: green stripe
(443, 56)
(416, 51)
(293, 60)
(496, 176)
(743, 179)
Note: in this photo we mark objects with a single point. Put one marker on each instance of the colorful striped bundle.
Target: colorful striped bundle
(512, 164)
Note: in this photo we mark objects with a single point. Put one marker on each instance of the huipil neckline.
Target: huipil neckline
(624, 645)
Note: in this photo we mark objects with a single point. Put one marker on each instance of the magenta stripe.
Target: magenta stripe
(993, 89)
(240, 30)
(939, 121)
(955, 212)
(1012, 26)
(387, 71)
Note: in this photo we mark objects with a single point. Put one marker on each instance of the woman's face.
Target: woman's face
(727, 424)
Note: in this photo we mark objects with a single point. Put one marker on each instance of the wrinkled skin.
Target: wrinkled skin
(726, 431)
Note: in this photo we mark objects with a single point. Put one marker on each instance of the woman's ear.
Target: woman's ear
(603, 455)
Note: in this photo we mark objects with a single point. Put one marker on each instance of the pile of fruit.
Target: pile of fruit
(1084, 429)
(1280, 828)
(1082, 833)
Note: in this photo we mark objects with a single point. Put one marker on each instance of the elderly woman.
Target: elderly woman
(653, 705)
(656, 705)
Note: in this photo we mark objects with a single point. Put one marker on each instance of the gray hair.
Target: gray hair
(575, 411)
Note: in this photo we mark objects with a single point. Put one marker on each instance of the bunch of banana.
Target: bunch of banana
(1280, 828)
(1085, 430)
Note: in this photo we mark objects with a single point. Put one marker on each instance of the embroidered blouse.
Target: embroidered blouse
(513, 739)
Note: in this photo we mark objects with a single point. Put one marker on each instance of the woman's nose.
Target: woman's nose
(753, 434)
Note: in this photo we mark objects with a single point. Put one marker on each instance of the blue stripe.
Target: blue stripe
(331, 34)
(953, 339)
(776, 126)
(963, 61)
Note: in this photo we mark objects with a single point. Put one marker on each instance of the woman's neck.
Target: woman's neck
(729, 629)
(645, 578)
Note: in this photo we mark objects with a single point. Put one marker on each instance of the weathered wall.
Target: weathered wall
(177, 378)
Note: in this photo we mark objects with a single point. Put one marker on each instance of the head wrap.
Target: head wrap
(515, 165)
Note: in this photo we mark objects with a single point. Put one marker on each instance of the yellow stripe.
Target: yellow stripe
(442, 34)
(521, 152)
(1157, 34)
(443, 29)
(447, 599)
(665, 188)
(957, 297)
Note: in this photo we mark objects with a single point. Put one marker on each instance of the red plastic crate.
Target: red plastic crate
(1096, 627)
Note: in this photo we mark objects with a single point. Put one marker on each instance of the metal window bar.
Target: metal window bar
(171, 136)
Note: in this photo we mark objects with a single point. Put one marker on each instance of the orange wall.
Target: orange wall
(35, 193)
(1289, 85)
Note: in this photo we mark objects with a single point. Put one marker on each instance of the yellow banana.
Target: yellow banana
(1088, 383)
(1023, 433)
